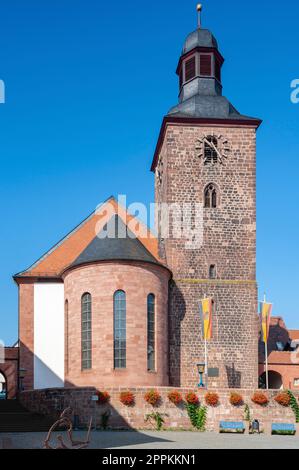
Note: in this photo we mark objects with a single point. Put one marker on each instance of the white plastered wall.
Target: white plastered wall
(48, 335)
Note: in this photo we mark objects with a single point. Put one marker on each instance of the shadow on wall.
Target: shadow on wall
(53, 400)
(233, 377)
(177, 307)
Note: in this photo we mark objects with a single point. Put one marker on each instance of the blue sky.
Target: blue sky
(87, 85)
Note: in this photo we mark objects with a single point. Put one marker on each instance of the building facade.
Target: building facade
(107, 311)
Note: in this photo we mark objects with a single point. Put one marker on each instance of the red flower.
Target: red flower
(212, 399)
(175, 397)
(260, 399)
(236, 399)
(192, 398)
(283, 399)
(127, 398)
(103, 398)
(152, 397)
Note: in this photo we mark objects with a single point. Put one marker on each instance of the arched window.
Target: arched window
(210, 149)
(211, 199)
(86, 351)
(66, 329)
(120, 333)
(212, 271)
(151, 340)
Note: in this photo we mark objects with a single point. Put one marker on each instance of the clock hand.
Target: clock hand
(213, 147)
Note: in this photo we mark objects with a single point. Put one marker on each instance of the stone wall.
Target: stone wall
(229, 243)
(102, 280)
(52, 402)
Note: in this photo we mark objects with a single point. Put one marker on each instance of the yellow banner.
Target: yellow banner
(265, 312)
(206, 307)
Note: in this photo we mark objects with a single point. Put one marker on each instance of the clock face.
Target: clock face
(213, 149)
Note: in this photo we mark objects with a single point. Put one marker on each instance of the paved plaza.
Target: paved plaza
(158, 440)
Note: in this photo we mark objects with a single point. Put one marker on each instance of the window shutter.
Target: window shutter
(190, 69)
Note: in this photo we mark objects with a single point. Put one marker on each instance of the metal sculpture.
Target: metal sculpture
(65, 419)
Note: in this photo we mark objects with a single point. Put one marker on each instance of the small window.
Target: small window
(296, 382)
(151, 349)
(206, 65)
(211, 200)
(212, 271)
(190, 69)
(86, 332)
(210, 149)
(120, 330)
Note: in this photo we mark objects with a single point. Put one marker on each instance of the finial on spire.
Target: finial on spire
(199, 10)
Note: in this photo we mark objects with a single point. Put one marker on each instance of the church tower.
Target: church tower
(205, 163)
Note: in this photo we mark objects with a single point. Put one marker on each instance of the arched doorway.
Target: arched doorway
(275, 380)
(3, 387)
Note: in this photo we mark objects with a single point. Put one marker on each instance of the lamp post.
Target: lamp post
(201, 371)
(22, 373)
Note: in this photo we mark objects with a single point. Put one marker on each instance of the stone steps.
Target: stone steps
(15, 418)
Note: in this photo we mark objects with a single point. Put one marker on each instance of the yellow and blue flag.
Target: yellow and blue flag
(265, 313)
(206, 310)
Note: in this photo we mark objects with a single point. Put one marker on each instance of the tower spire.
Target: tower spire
(199, 10)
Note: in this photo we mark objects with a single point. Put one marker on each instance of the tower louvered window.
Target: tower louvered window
(86, 332)
(206, 65)
(190, 69)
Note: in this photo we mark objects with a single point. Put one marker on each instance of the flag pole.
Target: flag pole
(266, 354)
(206, 357)
(206, 362)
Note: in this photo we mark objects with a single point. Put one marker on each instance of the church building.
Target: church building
(124, 310)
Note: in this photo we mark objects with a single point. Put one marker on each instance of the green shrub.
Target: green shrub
(198, 416)
(294, 405)
(157, 418)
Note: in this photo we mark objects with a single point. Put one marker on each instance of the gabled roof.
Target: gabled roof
(69, 249)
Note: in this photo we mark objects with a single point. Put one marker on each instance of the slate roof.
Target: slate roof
(199, 38)
(67, 251)
(115, 242)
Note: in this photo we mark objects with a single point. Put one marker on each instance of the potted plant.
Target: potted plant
(260, 398)
(152, 397)
(103, 398)
(175, 397)
(127, 398)
(236, 399)
(212, 399)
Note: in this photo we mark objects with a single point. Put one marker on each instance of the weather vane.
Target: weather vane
(199, 10)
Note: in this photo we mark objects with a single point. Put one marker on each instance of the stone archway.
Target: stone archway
(275, 380)
(3, 386)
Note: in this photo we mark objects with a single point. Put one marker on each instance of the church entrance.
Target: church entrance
(3, 387)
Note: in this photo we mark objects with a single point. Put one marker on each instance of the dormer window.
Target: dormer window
(190, 69)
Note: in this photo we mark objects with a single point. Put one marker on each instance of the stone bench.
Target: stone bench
(283, 428)
(232, 426)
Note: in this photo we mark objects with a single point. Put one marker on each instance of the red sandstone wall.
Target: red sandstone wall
(52, 402)
(101, 281)
(229, 242)
(26, 331)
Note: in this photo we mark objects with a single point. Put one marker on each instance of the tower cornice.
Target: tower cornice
(176, 120)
